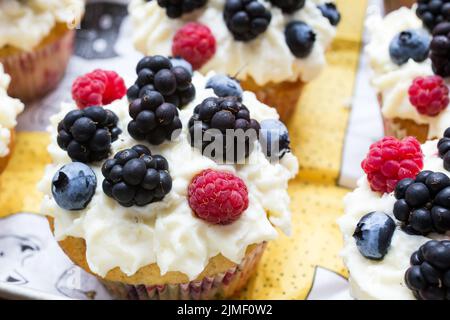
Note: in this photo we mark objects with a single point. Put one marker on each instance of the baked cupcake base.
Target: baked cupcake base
(282, 96)
(4, 160)
(220, 279)
(35, 73)
(401, 128)
(391, 5)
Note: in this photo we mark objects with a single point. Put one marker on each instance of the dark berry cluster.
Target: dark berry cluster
(300, 38)
(423, 204)
(433, 12)
(444, 148)
(87, 134)
(153, 119)
(176, 8)
(440, 49)
(135, 177)
(216, 123)
(156, 73)
(330, 11)
(246, 19)
(289, 6)
(429, 274)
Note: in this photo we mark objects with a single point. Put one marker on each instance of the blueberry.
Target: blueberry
(410, 44)
(330, 11)
(180, 62)
(417, 195)
(224, 86)
(73, 186)
(300, 38)
(274, 138)
(373, 235)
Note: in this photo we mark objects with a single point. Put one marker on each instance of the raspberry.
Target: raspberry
(195, 43)
(217, 197)
(390, 160)
(429, 95)
(99, 87)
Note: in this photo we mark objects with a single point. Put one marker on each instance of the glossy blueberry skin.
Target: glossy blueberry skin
(274, 138)
(409, 44)
(373, 235)
(73, 186)
(300, 38)
(224, 86)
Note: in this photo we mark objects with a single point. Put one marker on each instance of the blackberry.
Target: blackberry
(444, 148)
(423, 204)
(153, 119)
(214, 129)
(331, 12)
(433, 12)
(176, 8)
(429, 274)
(440, 49)
(288, 6)
(87, 134)
(246, 19)
(156, 73)
(136, 177)
(300, 38)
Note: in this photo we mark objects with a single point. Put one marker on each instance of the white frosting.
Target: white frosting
(166, 232)
(265, 59)
(23, 24)
(9, 109)
(392, 81)
(382, 279)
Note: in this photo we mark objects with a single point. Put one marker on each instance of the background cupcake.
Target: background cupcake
(396, 224)
(36, 42)
(271, 46)
(9, 109)
(391, 5)
(410, 71)
(158, 217)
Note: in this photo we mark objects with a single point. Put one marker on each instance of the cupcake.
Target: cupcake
(36, 42)
(154, 198)
(272, 47)
(410, 71)
(396, 224)
(9, 109)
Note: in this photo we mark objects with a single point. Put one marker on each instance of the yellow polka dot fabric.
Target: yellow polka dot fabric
(317, 133)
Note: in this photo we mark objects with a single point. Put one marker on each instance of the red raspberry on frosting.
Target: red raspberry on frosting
(195, 43)
(97, 88)
(218, 197)
(391, 160)
(429, 95)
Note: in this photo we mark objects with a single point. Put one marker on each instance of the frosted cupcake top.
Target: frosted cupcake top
(395, 68)
(387, 235)
(283, 46)
(128, 223)
(9, 109)
(23, 24)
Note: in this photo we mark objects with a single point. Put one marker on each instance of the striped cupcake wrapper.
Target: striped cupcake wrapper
(34, 74)
(221, 286)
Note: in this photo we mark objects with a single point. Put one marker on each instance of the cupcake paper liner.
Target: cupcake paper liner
(34, 74)
(282, 96)
(220, 286)
(401, 128)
